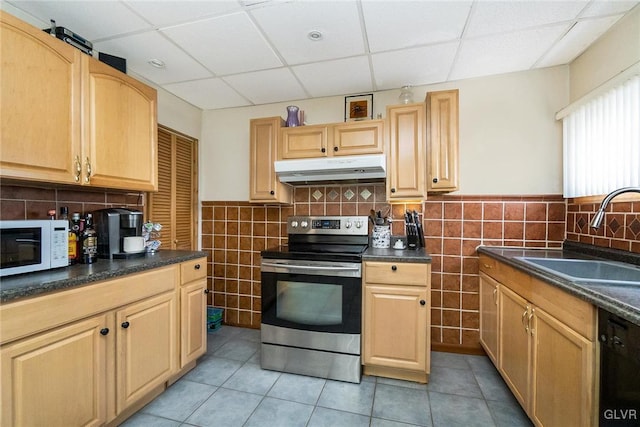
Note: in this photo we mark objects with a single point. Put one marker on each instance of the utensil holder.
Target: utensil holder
(381, 237)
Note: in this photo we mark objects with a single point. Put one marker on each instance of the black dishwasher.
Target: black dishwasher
(619, 371)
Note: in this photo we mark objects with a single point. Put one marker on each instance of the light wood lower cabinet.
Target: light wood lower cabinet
(489, 316)
(193, 310)
(90, 355)
(58, 378)
(547, 348)
(396, 317)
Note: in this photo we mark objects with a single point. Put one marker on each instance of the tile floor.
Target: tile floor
(228, 388)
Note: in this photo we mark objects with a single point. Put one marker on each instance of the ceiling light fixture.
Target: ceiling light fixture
(158, 63)
(315, 36)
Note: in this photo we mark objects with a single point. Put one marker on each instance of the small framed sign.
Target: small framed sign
(358, 107)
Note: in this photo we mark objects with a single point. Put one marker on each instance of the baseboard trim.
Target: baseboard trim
(458, 348)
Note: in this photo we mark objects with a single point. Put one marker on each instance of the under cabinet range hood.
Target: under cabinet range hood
(370, 166)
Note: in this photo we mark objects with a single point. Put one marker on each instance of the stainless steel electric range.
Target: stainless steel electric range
(312, 298)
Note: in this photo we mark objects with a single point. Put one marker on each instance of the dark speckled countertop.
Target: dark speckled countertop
(32, 284)
(618, 299)
(396, 255)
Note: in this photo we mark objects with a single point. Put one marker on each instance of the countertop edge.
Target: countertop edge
(417, 256)
(15, 288)
(588, 293)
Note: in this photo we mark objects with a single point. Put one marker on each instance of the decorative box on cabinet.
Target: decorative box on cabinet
(73, 119)
(406, 157)
(547, 349)
(396, 320)
(327, 140)
(442, 141)
(264, 184)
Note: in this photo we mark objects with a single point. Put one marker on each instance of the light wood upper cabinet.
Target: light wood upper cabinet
(68, 118)
(121, 129)
(263, 151)
(406, 156)
(338, 139)
(396, 317)
(365, 137)
(40, 104)
(442, 141)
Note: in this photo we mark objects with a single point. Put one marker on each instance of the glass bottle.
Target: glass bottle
(74, 238)
(89, 240)
(406, 95)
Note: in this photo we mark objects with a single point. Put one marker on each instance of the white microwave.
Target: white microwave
(33, 245)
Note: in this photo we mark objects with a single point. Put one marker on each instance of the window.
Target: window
(601, 140)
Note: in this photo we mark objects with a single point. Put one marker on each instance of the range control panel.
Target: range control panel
(331, 225)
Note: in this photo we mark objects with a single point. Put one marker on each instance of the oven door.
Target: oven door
(312, 295)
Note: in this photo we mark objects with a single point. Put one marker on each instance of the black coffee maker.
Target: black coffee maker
(112, 226)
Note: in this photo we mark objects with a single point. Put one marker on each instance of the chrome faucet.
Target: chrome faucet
(596, 222)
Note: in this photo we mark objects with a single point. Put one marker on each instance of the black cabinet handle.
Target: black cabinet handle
(394, 268)
(422, 302)
(335, 148)
(324, 150)
(206, 291)
(393, 190)
(197, 266)
(125, 325)
(435, 180)
(272, 192)
(104, 331)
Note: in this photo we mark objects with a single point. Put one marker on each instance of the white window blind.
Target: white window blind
(601, 142)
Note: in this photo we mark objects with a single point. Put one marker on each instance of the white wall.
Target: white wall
(178, 115)
(510, 142)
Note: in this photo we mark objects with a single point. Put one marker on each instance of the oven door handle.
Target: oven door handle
(309, 267)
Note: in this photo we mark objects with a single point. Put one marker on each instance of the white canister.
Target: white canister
(381, 237)
(133, 244)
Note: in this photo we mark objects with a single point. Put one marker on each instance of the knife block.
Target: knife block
(412, 242)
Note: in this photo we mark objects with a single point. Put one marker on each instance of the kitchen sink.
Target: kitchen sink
(590, 271)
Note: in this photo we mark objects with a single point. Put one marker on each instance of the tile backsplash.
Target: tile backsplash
(234, 233)
(19, 201)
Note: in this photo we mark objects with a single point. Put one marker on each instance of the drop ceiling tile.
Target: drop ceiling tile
(286, 26)
(398, 24)
(504, 53)
(338, 77)
(163, 13)
(417, 66)
(140, 48)
(577, 40)
(264, 87)
(226, 45)
(207, 94)
(600, 8)
(92, 20)
(491, 17)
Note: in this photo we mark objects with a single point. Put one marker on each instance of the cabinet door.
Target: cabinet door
(406, 174)
(121, 130)
(395, 326)
(264, 185)
(145, 346)
(489, 316)
(57, 378)
(442, 140)
(514, 357)
(352, 138)
(193, 334)
(562, 376)
(40, 104)
(304, 142)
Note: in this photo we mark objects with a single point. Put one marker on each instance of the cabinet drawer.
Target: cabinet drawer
(396, 273)
(192, 270)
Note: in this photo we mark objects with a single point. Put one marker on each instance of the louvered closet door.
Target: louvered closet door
(174, 204)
